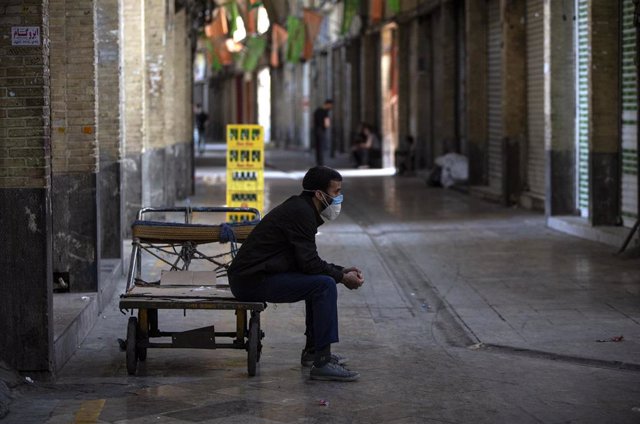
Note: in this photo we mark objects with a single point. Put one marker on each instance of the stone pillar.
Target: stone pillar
(108, 125)
(183, 110)
(424, 92)
(604, 117)
(132, 80)
(444, 84)
(370, 85)
(415, 75)
(154, 139)
(76, 236)
(26, 309)
(169, 98)
(353, 57)
(559, 108)
(476, 71)
(514, 97)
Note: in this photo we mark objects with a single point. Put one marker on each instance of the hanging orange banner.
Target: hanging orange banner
(279, 36)
(312, 23)
(376, 10)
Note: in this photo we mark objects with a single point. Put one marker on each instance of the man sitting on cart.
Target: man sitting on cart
(279, 263)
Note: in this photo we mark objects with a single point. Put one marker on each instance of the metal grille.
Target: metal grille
(535, 98)
(629, 180)
(582, 103)
(494, 91)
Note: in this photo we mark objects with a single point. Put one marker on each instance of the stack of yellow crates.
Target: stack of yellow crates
(245, 169)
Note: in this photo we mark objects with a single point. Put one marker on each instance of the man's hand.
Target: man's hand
(353, 279)
(353, 268)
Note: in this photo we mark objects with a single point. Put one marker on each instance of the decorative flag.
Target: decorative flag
(212, 56)
(376, 10)
(278, 37)
(255, 49)
(232, 6)
(216, 33)
(218, 26)
(223, 53)
(295, 43)
(394, 6)
(251, 16)
(312, 22)
(351, 7)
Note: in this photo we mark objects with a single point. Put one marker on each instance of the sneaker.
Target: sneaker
(333, 372)
(307, 359)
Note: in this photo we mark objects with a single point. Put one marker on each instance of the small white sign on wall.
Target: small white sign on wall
(25, 36)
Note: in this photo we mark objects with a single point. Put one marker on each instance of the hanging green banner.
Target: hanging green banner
(232, 6)
(394, 6)
(216, 65)
(351, 8)
(295, 42)
(255, 49)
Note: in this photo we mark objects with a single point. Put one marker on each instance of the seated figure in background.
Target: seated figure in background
(366, 145)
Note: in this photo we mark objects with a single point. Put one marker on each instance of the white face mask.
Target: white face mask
(331, 210)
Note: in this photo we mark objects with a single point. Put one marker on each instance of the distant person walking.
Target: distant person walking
(201, 122)
(321, 124)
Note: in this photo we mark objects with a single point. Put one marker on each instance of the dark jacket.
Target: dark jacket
(284, 241)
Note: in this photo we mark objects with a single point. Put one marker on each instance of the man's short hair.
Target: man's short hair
(319, 178)
(328, 101)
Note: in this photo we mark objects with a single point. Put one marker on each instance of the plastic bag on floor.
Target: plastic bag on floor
(455, 168)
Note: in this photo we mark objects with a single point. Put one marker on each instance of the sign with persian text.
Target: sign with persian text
(25, 36)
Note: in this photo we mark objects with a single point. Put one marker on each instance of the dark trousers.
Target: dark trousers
(361, 156)
(318, 291)
(321, 145)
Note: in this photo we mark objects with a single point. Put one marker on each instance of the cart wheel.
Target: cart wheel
(252, 342)
(142, 353)
(132, 359)
(260, 337)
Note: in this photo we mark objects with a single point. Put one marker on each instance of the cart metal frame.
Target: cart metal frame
(181, 241)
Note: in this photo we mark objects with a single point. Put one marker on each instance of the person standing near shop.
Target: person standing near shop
(201, 122)
(321, 124)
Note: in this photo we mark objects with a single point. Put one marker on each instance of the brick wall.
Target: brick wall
(72, 87)
(108, 101)
(24, 99)
(183, 79)
(169, 75)
(154, 54)
(133, 75)
(107, 38)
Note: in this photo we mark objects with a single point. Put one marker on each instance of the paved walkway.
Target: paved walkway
(471, 313)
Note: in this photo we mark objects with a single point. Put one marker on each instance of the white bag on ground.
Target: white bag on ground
(455, 168)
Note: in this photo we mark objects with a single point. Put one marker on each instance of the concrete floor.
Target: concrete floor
(471, 313)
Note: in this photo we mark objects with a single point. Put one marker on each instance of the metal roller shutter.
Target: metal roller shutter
(629, 180)
(535, 98)
(494, 91)
(582, 106)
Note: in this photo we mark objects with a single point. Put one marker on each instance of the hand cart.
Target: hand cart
(177, 246)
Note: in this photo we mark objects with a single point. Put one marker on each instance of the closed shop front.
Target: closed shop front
(494, 91)
(535, 99)
(629, 124)
(582, 106)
